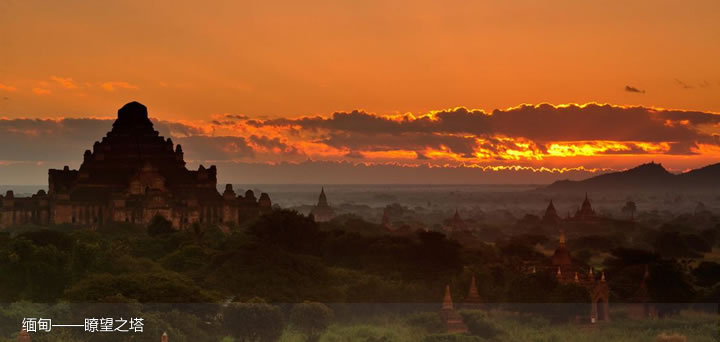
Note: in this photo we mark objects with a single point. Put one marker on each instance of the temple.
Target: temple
(551, 216)
(473, 300)
(132, 175)
(584, 214)
(322, 212)
(452, 320)
(455, 224)
(597, 288)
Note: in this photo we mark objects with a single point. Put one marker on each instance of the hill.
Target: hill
(646, 177)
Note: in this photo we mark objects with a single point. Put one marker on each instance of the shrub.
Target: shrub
(452, 338)
(430, 322)
(670, 338)
(159, 225)
(479, 324)
(310, 319)
(254, 321)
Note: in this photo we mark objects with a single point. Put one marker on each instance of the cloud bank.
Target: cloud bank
(540, 139)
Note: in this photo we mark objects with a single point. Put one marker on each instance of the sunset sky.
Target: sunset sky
(367, 91)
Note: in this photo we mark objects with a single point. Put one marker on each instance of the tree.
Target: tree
(707, 273)
(674, 245)
(479, 324)
(572, 300)
(311, 319)
(669, 284)
(254, 321)
(629, 209)
(160, 225)
(531, 292)
(287, 229)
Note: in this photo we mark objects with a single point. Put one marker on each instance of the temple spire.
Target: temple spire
(322, 199)
(447, 300)
(473, 295)
(23, 336)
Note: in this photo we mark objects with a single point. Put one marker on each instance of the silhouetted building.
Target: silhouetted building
(640, 303)
(585, 213)
(132, 175)
(551, 216)
(322, 212)
(472, 301)
(455, 224)
(567, 273)
(453, 321)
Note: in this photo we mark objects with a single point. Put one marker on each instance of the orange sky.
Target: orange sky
(283, 60)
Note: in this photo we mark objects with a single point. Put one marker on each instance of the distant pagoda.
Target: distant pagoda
(322, 212)
(473, 300)
(132, 175)
(551, 216)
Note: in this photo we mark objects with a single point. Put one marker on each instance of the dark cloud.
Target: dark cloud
(176, 129)
(236, 116)
(477, 135)
(683, 85)
(49, 140)
(66, 139)
(223, 122)
(632, 89)
(273, 144)
(539, 124)
(407, 141)
(354, 155)
(215, 148)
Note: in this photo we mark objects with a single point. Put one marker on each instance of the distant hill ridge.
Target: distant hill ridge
(650, 176)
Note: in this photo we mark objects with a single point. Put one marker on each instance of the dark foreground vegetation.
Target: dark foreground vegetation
(273, 273)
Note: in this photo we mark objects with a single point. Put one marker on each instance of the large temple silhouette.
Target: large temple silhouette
(132, 175)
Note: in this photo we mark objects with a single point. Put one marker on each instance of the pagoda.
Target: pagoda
(322, 212)
(453, 321)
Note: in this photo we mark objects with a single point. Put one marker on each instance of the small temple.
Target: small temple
(585, 212)
(455, 224)
(322, 212)
(452, 319)
(132, 175)
(473, 300)
(551, 216)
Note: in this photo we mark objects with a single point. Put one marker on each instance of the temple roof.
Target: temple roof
(551, 214)
(133, 120)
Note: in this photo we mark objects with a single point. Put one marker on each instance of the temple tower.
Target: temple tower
(322, 212)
